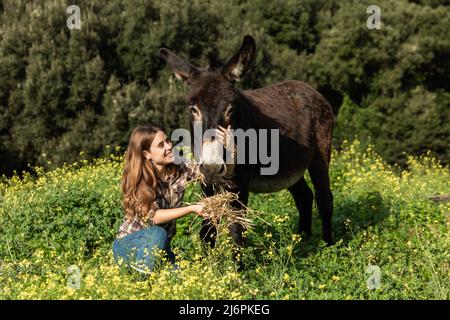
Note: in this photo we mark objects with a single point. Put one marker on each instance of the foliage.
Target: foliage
(396, 77)
(68, 217)
(65, 91)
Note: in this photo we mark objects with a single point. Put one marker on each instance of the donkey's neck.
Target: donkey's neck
(244, 117)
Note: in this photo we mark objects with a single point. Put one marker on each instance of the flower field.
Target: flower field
(392, 241)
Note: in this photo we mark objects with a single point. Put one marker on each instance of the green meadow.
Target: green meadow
(392, 241)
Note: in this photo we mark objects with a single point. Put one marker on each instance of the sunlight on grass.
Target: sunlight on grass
(56, 231)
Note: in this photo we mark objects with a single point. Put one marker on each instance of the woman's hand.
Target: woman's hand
(198, 209)
(225, 136)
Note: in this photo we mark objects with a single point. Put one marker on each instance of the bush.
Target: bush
(84, 89)
(75, 209)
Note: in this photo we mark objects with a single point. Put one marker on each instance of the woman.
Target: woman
(153, 188)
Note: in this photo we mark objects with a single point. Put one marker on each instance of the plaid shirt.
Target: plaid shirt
(169, 195)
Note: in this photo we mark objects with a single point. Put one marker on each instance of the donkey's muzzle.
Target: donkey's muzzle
(212, 172)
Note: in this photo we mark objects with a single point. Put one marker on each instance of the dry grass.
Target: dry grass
(225, 209)
(222, 213)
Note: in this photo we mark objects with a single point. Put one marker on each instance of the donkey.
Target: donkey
(303, 117)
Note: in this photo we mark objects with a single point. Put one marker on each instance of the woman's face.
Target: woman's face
(160, 150)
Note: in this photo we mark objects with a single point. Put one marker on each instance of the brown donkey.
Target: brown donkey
(304, 120)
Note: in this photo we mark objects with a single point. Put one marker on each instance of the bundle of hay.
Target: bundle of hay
(222, 214)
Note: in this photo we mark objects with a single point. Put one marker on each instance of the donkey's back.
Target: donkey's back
(305, 121)
(294, 106)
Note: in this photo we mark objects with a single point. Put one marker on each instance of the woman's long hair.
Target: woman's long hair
(139, 179)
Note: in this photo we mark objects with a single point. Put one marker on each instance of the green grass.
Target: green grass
(382, 218)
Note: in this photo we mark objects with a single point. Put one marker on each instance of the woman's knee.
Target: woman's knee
(157, 234)
(143, 251)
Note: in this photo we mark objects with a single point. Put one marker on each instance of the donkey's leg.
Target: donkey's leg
(318, 171)
(208, 232)
(236, 230)
(303, 198)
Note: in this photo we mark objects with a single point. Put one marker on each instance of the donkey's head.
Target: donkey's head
(212, 99)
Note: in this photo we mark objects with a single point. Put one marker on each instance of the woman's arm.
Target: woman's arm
(167, 215)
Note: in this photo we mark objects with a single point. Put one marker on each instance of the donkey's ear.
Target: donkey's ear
(241, 61)
(181, 68)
